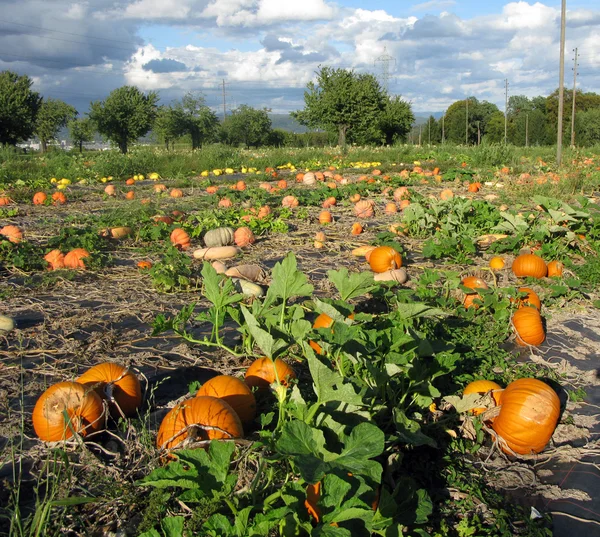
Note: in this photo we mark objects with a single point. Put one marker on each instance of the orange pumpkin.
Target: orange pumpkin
(264, 211)
(401, 193)
(243, 236)
(130, 195)
(355, 198)
(325, 217)
(176, 193)
(496, 263)
(212, 189)
(67, 407)
(5, 200)
(144, 265)
(12, 233)
(59, 198)
(160, 188)
(529, 327)
(404, 204)
(555, 269)
(282, 184)
(234, 392)
(474, 187)
(55, 259)
(329, 202)
(532, 298)
(391, 208)
(446, 194)
(482, 387)
(39, 198)
(263, 372)
(180, 239)
(529, 265)
(225, 202)
(210, 417)
(110, 190)
(130, 181)
(472, 283)
(74, 259)
(290, 202)
(384, 258)
(364, 209)
(528, 415)
(115, 383)
(357, 228)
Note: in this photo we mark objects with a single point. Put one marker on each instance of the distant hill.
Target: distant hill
(287, 123)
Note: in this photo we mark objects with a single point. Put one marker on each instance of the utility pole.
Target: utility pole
(574, 93)
(420, 127)
(385, 59)
(561, 83)
(505, 110)
(443, 131)
(478, 133)
(467, 123)
(224, 103)
(526, 130)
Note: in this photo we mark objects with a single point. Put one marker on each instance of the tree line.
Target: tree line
(529, 121)
(342, 105)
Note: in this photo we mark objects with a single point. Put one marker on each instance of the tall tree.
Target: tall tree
(495, 128)
(18, 108)
(198, 119)
(81, 130)
(246, 125)
(345, 102)
(587, 127)
(456, 125)
(169, 124)
(395, 120)
(584, 102)
(53, 115)
(125, 115)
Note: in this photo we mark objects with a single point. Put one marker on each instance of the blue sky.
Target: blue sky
(267, 50)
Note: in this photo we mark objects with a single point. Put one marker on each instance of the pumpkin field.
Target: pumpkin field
(230, 343)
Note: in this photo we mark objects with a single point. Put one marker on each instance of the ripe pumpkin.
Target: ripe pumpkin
(472, 283)
(323, 321)
(66, 407)
(144, 265)
(446, 194)
(212, 419)
(532, 298)
(130, 195)
(74, 259)
(357, 228)
(497, 263)
(5, 200)
(130, 181)
(39, 198)
(264, 211)
(325, 217)
(309, 178)
(555, 269)
(529, 327)
(160, 188)
(234, 392)
(222, 236)
(282, 184)
(176, 193)
(482, 387)
(12, 233)
(529, 265)
(391, 208)
(474, 187)
(290, 202)
(355, 198)
(115, 383)
(243, 236)
(528, 416)
(263, 372)
(329, 202)
(364, 209)
(384, 258)
(180, 239)
(320, 239)
(109, 190)
(55, 259)
(401, 193)
(240, 185)
(59, 198)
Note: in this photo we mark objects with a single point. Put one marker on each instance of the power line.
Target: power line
(385, 60)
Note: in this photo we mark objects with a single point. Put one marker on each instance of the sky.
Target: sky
(264, 52)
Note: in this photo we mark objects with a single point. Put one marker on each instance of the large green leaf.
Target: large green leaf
(353, 285)
(287, 281)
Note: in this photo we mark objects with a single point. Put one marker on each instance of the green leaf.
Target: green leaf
(416, 310)
(365, 442)
(172, 526)
(265, 341)
(219, 296)
(409, 431)
(287, 281)
(306, 447)
(353, 285)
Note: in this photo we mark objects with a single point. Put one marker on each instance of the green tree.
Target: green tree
(527, 121)
(18, 108)
(125, 115)
(395, 120)
(495, 128)
(81, 130)
(248, 126)
(344, 102)
(197, 119)
(457, 126)
(52, 116)
(169, 124)
(583, 103)
(587, 127)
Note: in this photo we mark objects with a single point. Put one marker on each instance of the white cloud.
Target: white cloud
(433, 5)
